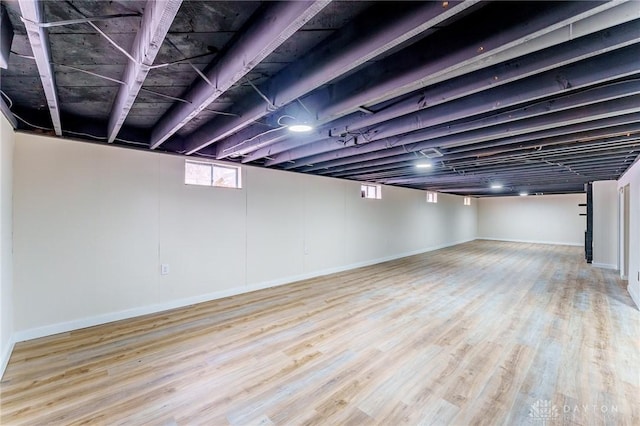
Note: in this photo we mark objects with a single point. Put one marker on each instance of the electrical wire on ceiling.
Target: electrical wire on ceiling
(35, 126)
(8, 99)
(166, 64)
(270, 105)
(569, 92)
(89, 20)
(85, 20)
(115, 80)
(200, 73)
(266, 132)
(31, 124)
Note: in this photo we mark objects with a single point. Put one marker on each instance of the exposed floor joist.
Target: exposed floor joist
(156, 20)
(384, 83)
(279, 22)
(334, 59)
(39, 41)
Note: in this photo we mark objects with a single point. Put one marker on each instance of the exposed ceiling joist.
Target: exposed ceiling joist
(618, 64)
(542, 116)
(505, 72)
(478, 137)
(156, 21)
(541, 95)
(625, 135)
(6, 37)
(573, 51)
(273, 27)
(556, 26)
(352, 48)
(32, 13)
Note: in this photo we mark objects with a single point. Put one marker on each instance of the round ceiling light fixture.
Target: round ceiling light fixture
(300, 128)
(423, 166)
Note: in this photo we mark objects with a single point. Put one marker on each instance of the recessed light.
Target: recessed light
(299, 128)
(423, 165)
(524, 193)
(496, 186)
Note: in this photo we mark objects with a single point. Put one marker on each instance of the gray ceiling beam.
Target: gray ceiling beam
(508, 181)
(328, 62)
(630, 120)
(454, 178)
(509, 153)
(551, 83)
(548, 172)
(533, 190)
(592, 105)
(516, 164)
(537, 62)
(484, 192)
(593, 71)
(603, 157)
(38, 39)
(6, 37)
(273, 27)
(539, 179)
(351, 49)
(156, 21)
(407, 173)
(544, 30)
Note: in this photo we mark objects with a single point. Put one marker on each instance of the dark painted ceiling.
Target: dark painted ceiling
(540, 97)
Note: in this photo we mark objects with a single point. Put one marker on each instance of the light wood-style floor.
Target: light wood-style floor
(482, 333)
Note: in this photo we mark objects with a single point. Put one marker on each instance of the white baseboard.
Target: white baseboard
(63, 327)
(554, 243)
(605, 265)
(301, 277)
(6, 354)
(634, 291)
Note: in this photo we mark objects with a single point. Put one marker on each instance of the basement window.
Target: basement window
(432, 197)
(467, 201)
(211, 174)
(370, 191)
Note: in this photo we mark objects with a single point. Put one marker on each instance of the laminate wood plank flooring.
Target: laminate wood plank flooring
(481, 333)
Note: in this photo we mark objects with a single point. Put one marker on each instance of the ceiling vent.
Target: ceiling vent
(431, 153)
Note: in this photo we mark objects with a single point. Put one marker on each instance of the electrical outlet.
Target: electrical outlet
(164, 269)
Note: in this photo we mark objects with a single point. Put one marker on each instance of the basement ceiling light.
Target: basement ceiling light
(299, 128)
(524, 193)
(295, 124)
(423, 165)
(496, 186)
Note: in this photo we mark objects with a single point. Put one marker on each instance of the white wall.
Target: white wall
(605, 224)
(551, 219)
(632, 178)
(94, 223)
(6, 250)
